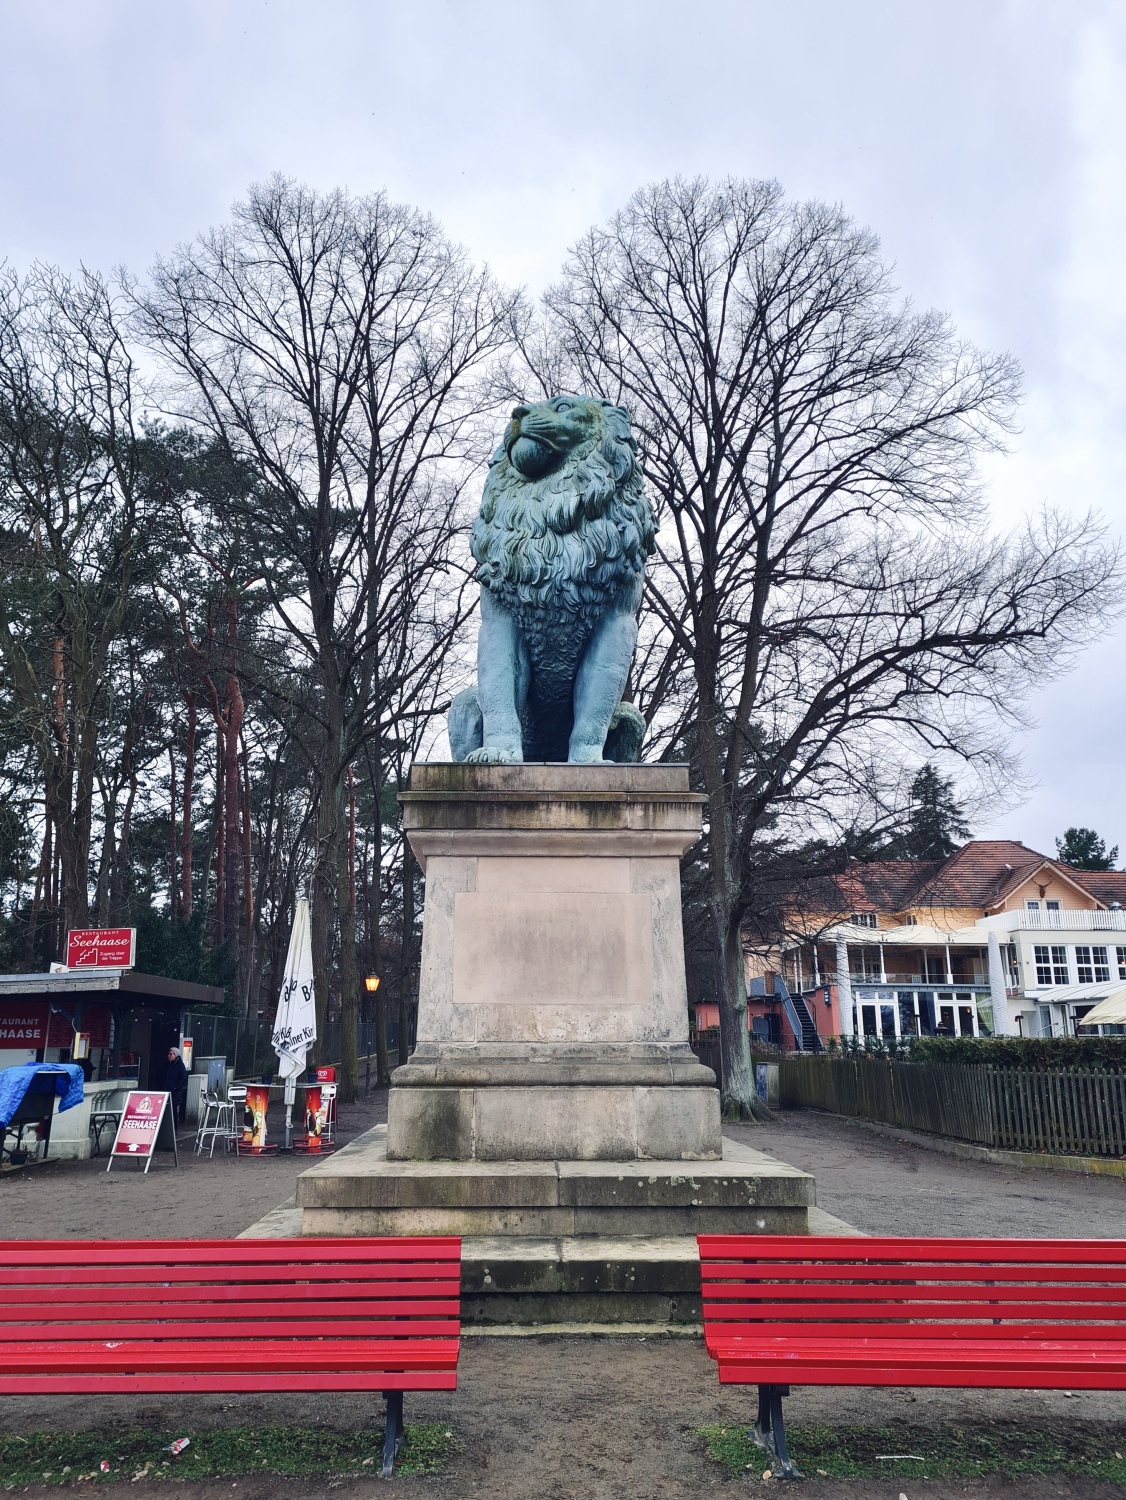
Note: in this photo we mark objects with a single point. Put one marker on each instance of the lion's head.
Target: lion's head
(565, 521)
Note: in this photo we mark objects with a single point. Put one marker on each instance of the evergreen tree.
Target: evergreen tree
(936, 822)
(1083, 849)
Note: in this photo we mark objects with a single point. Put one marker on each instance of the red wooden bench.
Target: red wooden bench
(232, 1315)
(814, 1310)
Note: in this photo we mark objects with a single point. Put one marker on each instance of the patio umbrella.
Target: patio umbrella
(1108, 1012)
(295, 1026)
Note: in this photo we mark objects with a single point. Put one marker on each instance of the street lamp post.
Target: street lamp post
(371, 984)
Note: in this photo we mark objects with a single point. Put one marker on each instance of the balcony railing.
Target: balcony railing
(961, 980)
(1080, 921)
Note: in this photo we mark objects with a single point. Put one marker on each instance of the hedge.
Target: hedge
(1108, 1052)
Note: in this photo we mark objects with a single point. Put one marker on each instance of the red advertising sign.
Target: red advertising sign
(254, 1118)
(24, 1025)
(101, 948)
(32, 1023)
(140, 1127)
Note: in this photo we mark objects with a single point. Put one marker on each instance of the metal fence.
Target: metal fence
(1062, 1111)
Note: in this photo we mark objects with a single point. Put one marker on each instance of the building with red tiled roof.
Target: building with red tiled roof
(998, 938)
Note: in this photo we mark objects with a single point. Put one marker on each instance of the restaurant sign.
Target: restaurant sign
(23, 1026)
(37, 1024)
(101, 948)
(146, 1125)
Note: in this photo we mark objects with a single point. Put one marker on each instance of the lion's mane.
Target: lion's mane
(562, 547)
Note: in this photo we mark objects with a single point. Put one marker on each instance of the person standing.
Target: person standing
(176, 1082)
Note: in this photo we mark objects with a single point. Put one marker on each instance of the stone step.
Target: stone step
(359, 1191)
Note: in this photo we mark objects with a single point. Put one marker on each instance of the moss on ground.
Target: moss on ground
(136, 1453)
(907, 1452)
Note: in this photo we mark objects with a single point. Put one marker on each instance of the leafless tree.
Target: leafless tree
(826, 592)
(343, 348)
(69, 529)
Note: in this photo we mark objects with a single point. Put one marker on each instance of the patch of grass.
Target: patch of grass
(134, 1453)
(943, 1452)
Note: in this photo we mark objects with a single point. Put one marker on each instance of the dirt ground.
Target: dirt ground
(588, 1418)
(593, 1417)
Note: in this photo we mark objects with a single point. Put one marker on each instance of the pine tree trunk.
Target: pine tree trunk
(186, 823)
(232, 839)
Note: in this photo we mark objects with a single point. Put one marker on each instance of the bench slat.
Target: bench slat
(790, 1247)
(417, 1326)
(158, 1273)
(17, 1313)
(844, 1294)
(285, 1252)
(315, 1294)
(229, 1383)
(898, 1314)
(899, 1272)
(1032, 1376)
(230, 1354)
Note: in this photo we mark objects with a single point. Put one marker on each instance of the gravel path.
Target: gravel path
(204, 1198)
(886, 1186)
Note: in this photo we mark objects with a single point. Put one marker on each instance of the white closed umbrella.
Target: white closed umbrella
(295, 1026)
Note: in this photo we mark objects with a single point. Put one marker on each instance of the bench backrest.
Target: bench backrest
(343, 1289)
(807, 1284)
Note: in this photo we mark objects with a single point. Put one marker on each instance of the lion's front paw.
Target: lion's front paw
(494, 755)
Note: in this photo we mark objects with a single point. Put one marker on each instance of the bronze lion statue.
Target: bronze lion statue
(560, 546)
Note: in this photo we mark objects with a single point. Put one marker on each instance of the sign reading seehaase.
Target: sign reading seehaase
(24, 1025)
(140, 1128)
(101, 948)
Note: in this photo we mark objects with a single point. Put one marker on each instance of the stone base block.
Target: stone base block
(360, 1190)
(534, 1123)
(508, 1281)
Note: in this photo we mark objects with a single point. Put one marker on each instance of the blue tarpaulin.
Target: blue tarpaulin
(15, 1082)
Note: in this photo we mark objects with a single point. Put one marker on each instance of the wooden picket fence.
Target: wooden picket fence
(1062, 1111)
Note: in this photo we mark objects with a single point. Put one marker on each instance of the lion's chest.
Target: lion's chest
(554, 631)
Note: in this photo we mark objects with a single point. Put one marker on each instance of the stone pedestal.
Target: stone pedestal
(552, 1113)
(567, 1242)
(553, 1018)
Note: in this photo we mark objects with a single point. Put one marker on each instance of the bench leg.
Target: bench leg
(770, 1429)
(393, 1430)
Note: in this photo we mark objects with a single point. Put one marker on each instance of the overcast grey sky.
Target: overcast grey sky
(985, 142)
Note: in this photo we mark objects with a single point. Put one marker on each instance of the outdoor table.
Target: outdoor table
(101, 1120)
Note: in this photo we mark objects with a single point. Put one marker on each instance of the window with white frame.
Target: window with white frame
(1121, 954)
(864, 919)
(1051, 964)
(1091, 964)
(1009, 960)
